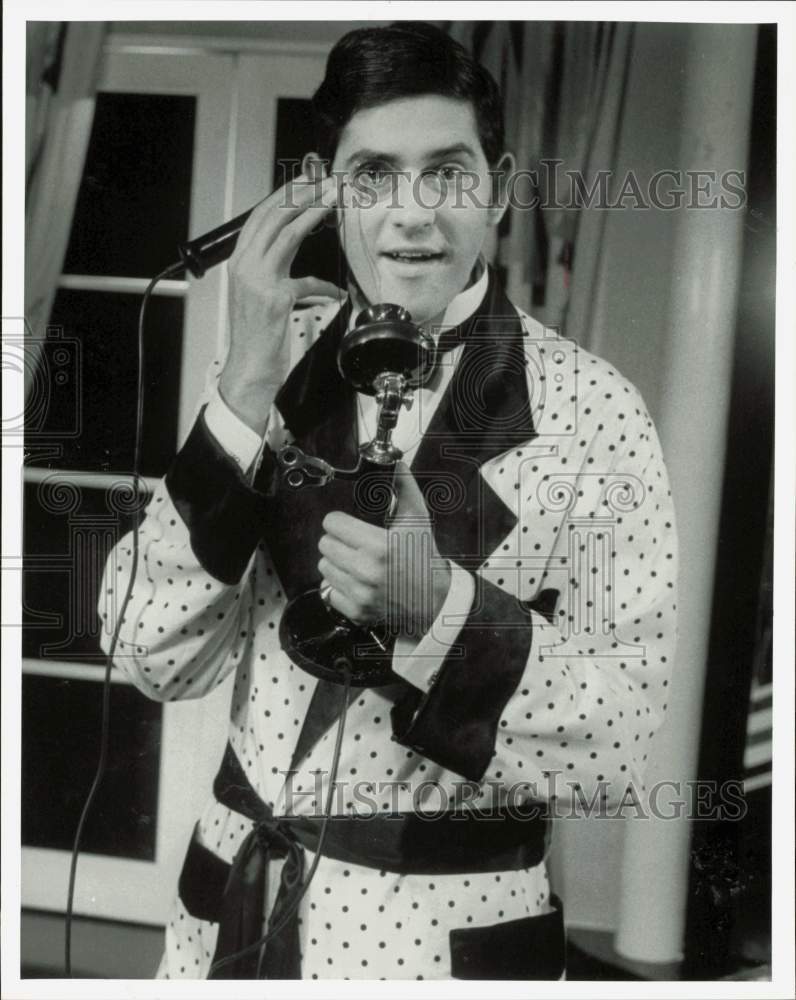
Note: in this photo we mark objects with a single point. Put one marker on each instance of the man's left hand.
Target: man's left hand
(395, 573)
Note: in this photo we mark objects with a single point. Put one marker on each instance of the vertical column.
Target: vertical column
(696, 377)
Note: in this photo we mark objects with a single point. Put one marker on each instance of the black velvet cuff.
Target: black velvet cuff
(223, 513)
(455, 723)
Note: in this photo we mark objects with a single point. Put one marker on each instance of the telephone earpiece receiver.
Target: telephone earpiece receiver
(203, 252)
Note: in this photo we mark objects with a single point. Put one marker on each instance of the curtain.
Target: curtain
(62, 66)
(563, 87)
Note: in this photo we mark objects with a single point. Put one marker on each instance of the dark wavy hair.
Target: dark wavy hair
(371, 66)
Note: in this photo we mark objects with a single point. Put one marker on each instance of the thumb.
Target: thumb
(411, 502)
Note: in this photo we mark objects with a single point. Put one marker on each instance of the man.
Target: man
(532, 669)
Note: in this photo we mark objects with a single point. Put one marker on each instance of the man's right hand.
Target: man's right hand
(262, 294)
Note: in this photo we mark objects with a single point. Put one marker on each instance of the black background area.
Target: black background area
(60, 740)
(134, 199)
(56, 583)
(105, 326)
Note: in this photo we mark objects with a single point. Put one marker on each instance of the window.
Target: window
(183, 138)
(158, 169)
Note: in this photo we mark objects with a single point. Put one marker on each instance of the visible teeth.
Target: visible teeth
(413, 256)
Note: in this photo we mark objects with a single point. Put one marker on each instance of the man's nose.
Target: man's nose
(414, 204)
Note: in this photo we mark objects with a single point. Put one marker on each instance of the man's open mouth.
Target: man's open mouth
(413, 256)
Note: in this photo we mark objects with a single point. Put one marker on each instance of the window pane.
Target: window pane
(99, 331)
(60, 741)
(133, 203)
(68, 532)
(319, 254)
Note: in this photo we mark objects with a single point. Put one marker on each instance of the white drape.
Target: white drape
(62, 65)
(563, 87)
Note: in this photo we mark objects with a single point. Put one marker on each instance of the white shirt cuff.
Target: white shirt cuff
(237, 439)
(419, 661)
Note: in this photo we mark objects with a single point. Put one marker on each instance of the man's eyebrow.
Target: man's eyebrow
(435, 154)
(455, 149)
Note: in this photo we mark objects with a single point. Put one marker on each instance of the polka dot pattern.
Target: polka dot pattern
(594, 522)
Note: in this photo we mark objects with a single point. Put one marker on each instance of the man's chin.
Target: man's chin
(424, 312)
(421, 308)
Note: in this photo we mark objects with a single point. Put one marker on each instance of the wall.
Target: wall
(678, 100)
(101, 949)
(630, 332)
(292, 32)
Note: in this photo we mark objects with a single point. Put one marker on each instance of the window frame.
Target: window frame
(112, 887)
(237, 83)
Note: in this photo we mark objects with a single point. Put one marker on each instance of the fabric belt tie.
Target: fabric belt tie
(243, 905)
(406, 843)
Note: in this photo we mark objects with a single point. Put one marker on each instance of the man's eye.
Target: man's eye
(449, 172)
(373, 173)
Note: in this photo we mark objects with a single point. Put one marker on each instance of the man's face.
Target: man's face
(415, 202)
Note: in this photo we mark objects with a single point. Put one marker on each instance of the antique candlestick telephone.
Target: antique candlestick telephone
(385, 355)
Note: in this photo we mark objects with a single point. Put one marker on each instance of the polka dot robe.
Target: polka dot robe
(594, 522)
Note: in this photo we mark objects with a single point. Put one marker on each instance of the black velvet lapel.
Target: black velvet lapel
(319, 410)
(485, 411)
(316, 400)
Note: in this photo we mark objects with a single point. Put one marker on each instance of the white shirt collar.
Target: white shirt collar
(467, 301)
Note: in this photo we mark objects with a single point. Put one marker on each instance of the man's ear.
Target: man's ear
(501, 175)
(313, 166)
